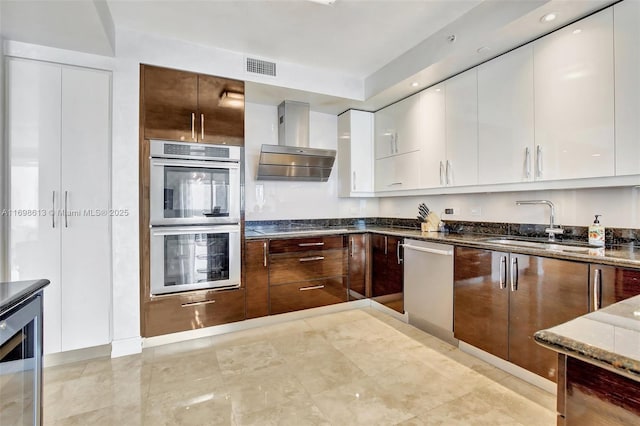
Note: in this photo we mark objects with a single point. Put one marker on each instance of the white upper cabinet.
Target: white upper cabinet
(461, 106)
(399, 172)
(433, 150)
(397, 128)
(626, 17)
(355, 154)
(505, 118)
(574, 102)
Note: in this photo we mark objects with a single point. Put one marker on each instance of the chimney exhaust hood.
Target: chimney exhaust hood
(292, 159)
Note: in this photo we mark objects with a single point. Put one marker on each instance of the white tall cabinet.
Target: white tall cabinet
(505, 118)
(433, 152)
(355, 154)
(626, 18)
(574, 100)
(59, 149)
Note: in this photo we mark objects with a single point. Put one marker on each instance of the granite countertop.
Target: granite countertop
(622, 255)
(12, 293)
(609, 338)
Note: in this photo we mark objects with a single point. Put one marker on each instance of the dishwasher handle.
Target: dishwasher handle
(428, 250)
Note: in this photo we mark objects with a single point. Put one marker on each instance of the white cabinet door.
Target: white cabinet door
(433, 148)
(86, 295)
(399, 172)
(505, 118)
(626, 18)
(398, 128)
(33, 124)
(573, 80)
(462, 129)
(355, 154)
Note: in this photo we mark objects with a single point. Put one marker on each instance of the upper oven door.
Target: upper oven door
(188, 192)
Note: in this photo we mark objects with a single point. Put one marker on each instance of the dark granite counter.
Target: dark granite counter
(623, 255)
(12, 293)
(608, 338)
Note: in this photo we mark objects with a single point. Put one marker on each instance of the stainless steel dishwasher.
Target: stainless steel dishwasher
(428, 287)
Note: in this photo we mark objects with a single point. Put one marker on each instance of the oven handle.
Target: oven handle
(189, 230)
(161, 162)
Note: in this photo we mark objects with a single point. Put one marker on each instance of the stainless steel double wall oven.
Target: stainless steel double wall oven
(195, 195)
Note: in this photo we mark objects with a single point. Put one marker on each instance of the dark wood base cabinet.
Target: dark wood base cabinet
(589, 395)
(387, 272)
(256, 270)
(193, 310)
(359, 275)
(308, 294)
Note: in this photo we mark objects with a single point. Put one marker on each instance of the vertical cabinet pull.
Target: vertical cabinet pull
(441, 173)
(350, 247)
(514, 274)
(386, 240)
(395, 141)
(503, 272)
(449, 174)
(193, 126)
(391, 136)
(264, 254)
(398, 245)
(354, 180)
(66, 198)
(527, 162)
(202, 127)
(538, 161)
(53, 209)
(597, 289)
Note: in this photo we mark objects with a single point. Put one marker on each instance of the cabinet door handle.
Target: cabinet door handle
(597, 290)
(503, 272)
(391, 136)
(538, 161)
(354, 180)
(311, 259)
(527, 162)
(351, 247)
(441, 173)
(395, 142)
(53, 209)
(313, 287)
(310, 244)
(66, 199)
(395, 184)
(386, 247)
(204, 302)
(514, 274)
(398, 245)
(264, 254)
(193, 126)
(449, 173)
(202, 126)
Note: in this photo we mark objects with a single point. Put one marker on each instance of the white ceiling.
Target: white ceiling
(386, 43)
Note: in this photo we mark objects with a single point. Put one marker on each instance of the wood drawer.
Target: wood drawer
(306, 244)
(189, 311)
(309, 294)
(305, 266)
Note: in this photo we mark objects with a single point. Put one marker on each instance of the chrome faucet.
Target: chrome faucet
(552, 230)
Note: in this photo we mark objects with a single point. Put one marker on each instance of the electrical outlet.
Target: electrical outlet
(476, 211)
(448, 211)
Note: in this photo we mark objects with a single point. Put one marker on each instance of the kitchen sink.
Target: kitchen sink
(563, 247)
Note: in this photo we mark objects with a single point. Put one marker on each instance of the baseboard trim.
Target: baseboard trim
(67, 357)
(149, 342)
(510, 368)
(384, 309)
(124, 347)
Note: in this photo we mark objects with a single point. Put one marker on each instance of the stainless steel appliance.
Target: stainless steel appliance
(194, 217)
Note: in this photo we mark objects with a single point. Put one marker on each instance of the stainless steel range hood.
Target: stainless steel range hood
(292, 158)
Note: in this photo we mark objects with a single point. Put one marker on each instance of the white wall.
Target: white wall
(3, 178)
(294, 200)
(620, 207)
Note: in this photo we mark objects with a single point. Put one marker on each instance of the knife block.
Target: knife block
(432, 223)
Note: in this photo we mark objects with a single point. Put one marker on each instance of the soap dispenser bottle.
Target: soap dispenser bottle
(596, 233)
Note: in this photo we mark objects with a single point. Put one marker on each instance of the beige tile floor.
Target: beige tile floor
(358, 367)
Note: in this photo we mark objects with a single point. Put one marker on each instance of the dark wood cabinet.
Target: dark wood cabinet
(193, 310)
(358, 267)
(387, 271)
(190, 107)
(257, 278)
(609, 284)
(307, 273)
(501, 300)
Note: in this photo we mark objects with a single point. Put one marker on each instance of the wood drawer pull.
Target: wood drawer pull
(311, 259)
(204, 302)
(313, 287)
(310, 244)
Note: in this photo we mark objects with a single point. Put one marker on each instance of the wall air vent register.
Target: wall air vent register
(258, 66)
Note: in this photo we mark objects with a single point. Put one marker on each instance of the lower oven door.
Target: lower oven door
(194, 257)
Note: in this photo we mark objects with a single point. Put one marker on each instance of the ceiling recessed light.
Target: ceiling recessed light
(548, 17)
(577, 31)
(483, 49)
(415, 84)
(437, 90)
